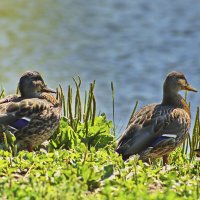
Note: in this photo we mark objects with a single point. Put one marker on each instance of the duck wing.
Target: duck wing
(148, 125)
(4, 104)
(18, 113)
(9, 98)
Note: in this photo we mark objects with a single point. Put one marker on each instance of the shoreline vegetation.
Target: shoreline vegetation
(79, 161)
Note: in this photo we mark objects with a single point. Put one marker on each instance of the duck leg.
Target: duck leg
(30, 147)
(197, 152)
(165, 160)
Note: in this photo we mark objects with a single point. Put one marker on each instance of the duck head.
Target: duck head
(176, 81)
(31, 85)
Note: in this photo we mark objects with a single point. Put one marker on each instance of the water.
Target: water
(132, 43)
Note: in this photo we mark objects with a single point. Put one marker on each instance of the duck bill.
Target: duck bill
(190, 88)
(48, 90)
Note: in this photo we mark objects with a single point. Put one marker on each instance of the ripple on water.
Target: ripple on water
(133, 43)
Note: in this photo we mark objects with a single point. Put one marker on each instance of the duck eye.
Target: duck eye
(34, 79)
(182, 82)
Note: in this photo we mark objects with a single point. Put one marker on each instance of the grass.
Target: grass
(79, 161)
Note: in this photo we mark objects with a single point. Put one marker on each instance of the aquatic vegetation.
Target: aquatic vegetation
(80, 162)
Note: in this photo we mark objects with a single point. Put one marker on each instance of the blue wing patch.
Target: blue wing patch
(162, 137)
(20, 123)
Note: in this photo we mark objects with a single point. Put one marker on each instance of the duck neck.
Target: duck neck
(50, 98)
(29, 95)
(172, 98)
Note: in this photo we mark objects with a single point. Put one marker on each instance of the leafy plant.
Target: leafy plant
(81, 125)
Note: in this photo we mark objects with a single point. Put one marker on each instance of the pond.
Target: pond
(132, 43)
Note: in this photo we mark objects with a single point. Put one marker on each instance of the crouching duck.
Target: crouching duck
(33, 115)
(157, 129)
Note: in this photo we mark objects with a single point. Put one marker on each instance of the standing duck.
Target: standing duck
(157, 129)
(33, 115)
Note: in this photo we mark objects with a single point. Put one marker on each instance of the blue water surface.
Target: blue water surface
(132, 43)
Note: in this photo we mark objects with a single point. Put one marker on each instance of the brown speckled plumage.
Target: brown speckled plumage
(157, 129)
(37, 105)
